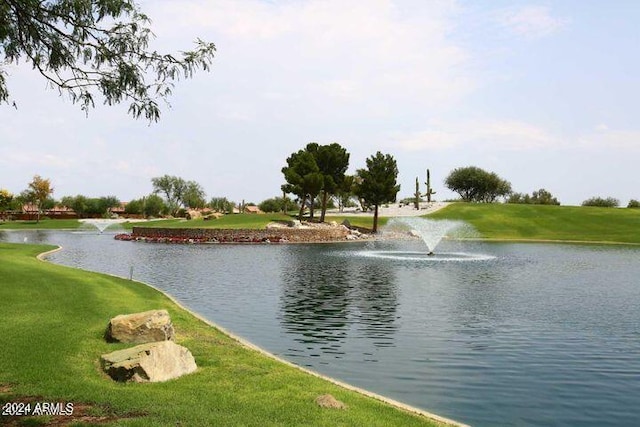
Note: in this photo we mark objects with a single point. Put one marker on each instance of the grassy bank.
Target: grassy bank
(43, 224)
(51, 335)
(536, 222)
(234, 221)
(249, 221)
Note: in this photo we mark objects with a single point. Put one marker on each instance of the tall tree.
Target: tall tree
(38, 192)
(194, 195)
(303, 178)
(84, 47)
(173, 188)
(377, 183)
(332, 161)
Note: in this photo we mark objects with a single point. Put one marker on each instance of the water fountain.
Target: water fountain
(101, 223)
(431, 232)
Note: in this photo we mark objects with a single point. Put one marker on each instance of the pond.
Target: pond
(489, 335)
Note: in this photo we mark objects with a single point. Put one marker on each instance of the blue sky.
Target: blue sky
(543, 93)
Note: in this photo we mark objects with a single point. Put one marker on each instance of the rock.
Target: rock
(414, 233)
(150, 362)
(351, 237)
(328, 401)
(193, 214)
(148, 326)
(346, 223)
(275, 226)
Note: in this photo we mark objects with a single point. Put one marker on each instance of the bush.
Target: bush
(609, 202)
(633, 203)
(540, 197)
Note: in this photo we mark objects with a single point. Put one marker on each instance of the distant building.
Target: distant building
(252, 210)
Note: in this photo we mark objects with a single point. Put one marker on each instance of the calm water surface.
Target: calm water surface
(523, 334)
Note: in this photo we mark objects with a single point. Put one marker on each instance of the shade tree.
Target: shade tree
(477, 185)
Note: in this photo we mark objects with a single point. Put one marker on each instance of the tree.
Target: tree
(153, 206)
(303, 178)
(332, 161)
(633, 203)
(134, 207)
(38, 192)
(378, 183)
(84, 47)
(79, 204)
(5, 199)
(477, 185)
(178, 192)
(609, 202)
(345, 192)
(221, 204)
(194, 195)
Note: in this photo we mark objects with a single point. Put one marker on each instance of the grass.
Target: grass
(51, 335)
(251, 221)
(539, 222)
(43, 224)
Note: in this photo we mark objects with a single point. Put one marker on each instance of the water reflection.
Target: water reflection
(376, 302)
(326, 300)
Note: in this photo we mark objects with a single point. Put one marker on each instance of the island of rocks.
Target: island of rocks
(275, 232)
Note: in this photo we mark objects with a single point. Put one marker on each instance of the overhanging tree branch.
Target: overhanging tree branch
(69, 43)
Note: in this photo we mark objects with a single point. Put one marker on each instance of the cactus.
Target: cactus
(430, 191)
(416, 200)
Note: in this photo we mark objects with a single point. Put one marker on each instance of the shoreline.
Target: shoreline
(251, 346)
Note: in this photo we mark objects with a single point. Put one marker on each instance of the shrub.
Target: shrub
(540, 197)
(609, 202)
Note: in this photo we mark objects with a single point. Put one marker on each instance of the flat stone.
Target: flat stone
(150, 362)
(148, 326)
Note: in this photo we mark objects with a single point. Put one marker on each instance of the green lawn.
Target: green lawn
(43, 224)
(538, 222)
(235, 221)
(51, 336)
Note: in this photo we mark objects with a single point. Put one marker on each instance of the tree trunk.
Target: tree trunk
(324, 206)
(304, 199)
(375, 219)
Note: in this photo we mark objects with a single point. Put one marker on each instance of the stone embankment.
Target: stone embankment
(294, 232)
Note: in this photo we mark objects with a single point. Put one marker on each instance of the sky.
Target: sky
(543, 93)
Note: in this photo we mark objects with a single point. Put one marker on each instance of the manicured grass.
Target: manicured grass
(537, 222)
(235, 221)
(43, 224)
(51, 336)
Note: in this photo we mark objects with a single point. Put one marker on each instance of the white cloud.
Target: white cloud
(612, 139)
(328, 49)
(509, 135)
(531, 22)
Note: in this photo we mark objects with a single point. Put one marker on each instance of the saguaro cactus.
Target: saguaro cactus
(430, 191)
(416, 200)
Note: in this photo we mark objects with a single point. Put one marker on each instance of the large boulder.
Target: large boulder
(148, 326)
(150, 362)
